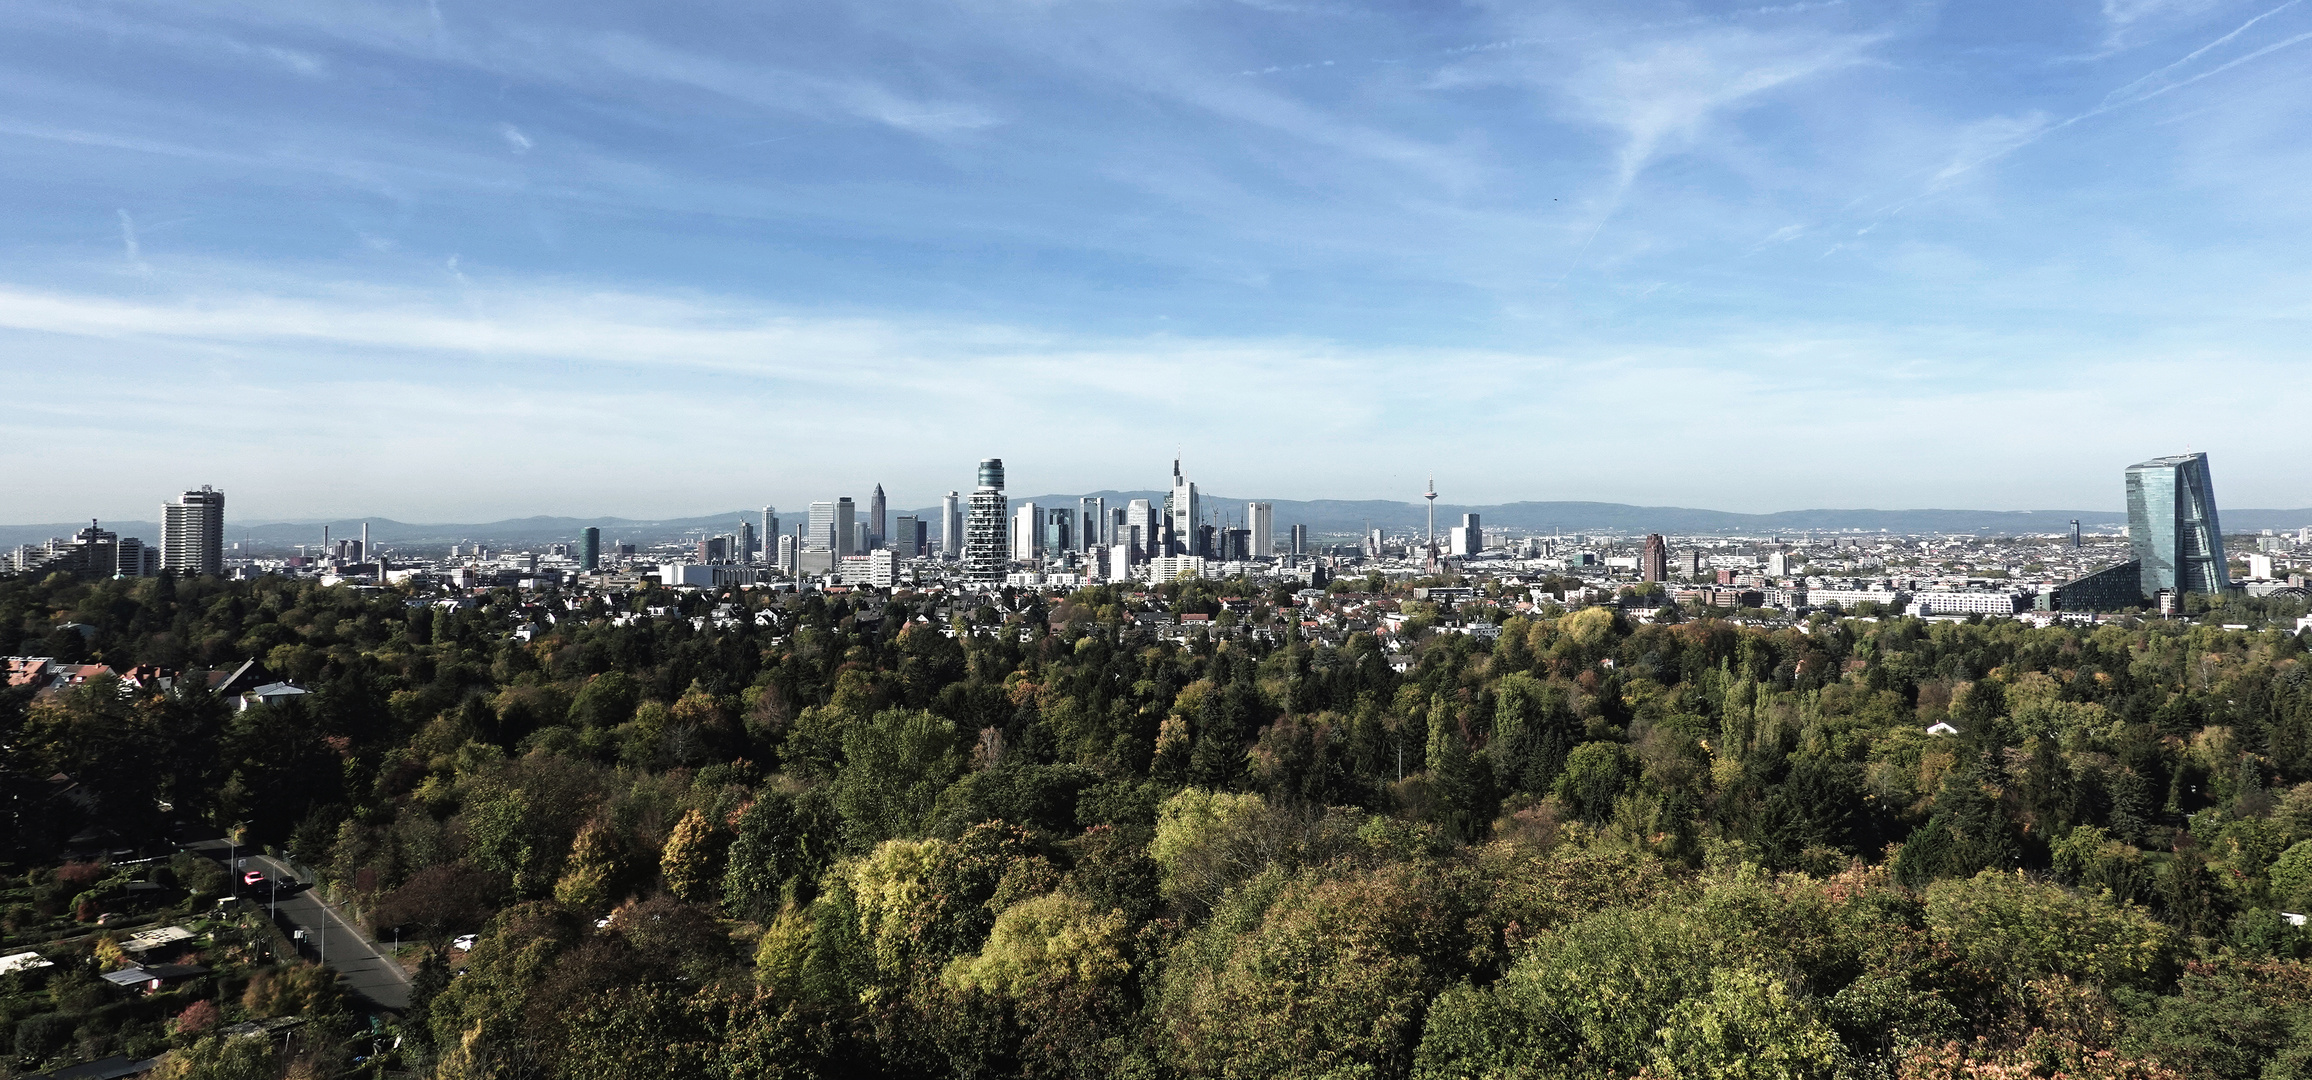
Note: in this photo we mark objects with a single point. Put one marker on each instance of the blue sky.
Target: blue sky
(452, 261)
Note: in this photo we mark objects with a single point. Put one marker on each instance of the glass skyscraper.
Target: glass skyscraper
(986, 539)
(2171, 523)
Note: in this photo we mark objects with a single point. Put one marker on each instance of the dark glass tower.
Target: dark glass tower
(2171, 523)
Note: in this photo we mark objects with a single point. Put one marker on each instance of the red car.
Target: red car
(253, 877)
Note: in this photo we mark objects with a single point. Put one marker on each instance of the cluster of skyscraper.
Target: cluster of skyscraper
(996, 534)
(192, 542)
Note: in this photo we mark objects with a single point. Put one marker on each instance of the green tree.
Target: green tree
(2024, 929)
(895, 765)
(1595, 775)
(692, 861)
(1749, 1027)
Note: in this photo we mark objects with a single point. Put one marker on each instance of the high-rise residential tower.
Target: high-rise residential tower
(876, 521)
(950, 526)
(193, 532)
(2171, 522)
(1654, 564)
(985, 539)
(1260, 520)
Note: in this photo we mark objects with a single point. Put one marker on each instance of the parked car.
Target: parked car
(464, 943)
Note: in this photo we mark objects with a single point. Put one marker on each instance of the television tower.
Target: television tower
(1432, 497)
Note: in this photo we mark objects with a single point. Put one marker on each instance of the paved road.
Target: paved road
(362, 968)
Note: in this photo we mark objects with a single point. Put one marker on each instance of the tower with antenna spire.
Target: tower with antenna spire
(1184, 513)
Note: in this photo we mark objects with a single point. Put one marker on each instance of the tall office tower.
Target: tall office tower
(1654, 564)
(1059, 538)
(746, 543)
(1777, 564)
(875, 519)
(902, 539)
(950, 526)
(1205, 542)
(1140, 518)
(1694, 563)
(1184, 510)
(1260, 520)
(2074, 534)
(193, 532)
(922, 539)
(1094, 521)
(1373, 541)
(770, 535)
(984, 540)
(2171, 522)
(1235, 545)
(1027, 531)
(833, 527)
(590, 552)
(861, 539)
(786, 555)
(1300, 539)
(365, 552)
(821, 534)
(1473, 535)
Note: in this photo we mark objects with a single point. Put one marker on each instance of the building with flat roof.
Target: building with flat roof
(2171, 523)
(1260, 520)
(193, 532)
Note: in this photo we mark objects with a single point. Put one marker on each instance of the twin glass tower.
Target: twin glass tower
(2171, 523)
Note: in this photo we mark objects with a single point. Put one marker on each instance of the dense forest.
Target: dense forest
(779, 835)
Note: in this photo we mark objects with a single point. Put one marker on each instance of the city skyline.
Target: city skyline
(602, 240)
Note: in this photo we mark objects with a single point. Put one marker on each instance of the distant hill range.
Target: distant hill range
(1324, 517)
